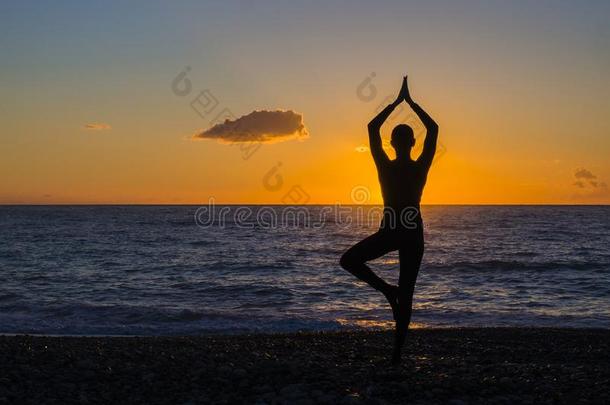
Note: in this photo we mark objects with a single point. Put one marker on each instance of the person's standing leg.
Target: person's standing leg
(410, 260)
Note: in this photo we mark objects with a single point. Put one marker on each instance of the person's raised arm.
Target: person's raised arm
(427, 154)
(374, 126)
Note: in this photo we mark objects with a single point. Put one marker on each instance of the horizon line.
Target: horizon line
(291, 205)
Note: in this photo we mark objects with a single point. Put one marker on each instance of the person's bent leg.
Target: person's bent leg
(355, 258)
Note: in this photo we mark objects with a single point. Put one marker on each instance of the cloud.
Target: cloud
(258, 126)
(584, 174)
(586, 179)
(94, 126)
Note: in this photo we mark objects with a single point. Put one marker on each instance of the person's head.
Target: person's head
(402, 139)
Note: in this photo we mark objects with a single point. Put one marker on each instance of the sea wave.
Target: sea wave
(152, 270)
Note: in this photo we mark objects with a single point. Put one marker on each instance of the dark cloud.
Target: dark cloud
(584, 174)
(586, 179)
(258, 126)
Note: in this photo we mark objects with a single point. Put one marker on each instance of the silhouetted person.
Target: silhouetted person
(402, 181)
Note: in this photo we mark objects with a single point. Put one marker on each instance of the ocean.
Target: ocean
(183, 270)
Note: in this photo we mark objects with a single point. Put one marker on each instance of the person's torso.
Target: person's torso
(402, 184)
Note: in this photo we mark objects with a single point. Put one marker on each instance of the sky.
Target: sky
(94, 111)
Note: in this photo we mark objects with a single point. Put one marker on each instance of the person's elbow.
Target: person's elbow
(432, 131)
(431, 138)
(373, 126)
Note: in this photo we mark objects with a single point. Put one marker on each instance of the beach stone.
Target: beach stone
(303, 401)
(69, 386)
(500, 399)
(317, 393)
(326, 399)
(86, 364)
(261, 389)
(293, 390)
(224, 369)
(149, 377)
(240, 373)
(351, 400)
(506, 382)
(436, 392)
(268, 396)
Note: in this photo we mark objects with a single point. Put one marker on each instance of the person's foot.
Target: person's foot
(398, 341)
(392, 296)
(399, 337)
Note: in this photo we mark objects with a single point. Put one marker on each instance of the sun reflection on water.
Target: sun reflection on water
(376, 324)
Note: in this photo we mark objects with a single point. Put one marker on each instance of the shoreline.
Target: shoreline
(453, 365)
(305, 332)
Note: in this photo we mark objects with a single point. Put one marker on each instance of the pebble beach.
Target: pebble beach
(454, 366)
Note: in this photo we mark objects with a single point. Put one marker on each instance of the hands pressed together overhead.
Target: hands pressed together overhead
(404, 94)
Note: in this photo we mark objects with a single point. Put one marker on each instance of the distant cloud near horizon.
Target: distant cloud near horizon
(584, 174)
(585, 178)
(94, 126)
(258, 126)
